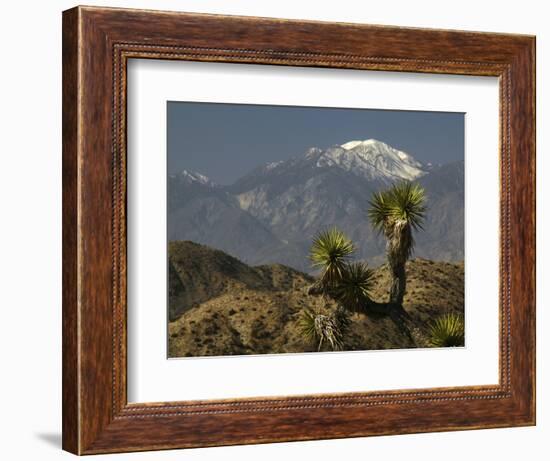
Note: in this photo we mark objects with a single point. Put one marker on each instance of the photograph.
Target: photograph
(297, 229)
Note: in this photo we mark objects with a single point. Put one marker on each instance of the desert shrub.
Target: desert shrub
(447, 331)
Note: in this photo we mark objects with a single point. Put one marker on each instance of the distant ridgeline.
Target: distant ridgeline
(271, 214)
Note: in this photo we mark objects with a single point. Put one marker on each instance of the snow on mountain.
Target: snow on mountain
(351, 144)
(371, 159)
(272, 165)
(194, 177)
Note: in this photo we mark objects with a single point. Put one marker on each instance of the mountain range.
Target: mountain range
(271, 214)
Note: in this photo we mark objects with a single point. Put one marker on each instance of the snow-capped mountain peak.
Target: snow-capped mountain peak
(194, 177)
(371, 159)
(352, 144)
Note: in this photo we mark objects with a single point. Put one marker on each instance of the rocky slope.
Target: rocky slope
(221, 306)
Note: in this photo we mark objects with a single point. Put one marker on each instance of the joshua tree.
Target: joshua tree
(397, 212)
(331, 251)
(347, 283)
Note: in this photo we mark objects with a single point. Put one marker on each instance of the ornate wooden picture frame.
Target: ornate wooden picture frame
(97, 44)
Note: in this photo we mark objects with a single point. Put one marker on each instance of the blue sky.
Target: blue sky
(226, 141)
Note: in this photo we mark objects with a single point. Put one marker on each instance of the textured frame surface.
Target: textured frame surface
(97, 43)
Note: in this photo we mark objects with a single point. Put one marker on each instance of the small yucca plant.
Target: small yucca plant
(353, 289)
(331, 250)
(323, 329)
(447, 331)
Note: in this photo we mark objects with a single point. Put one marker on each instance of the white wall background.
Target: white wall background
(30, 232)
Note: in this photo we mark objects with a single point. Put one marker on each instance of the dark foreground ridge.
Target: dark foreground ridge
(221, 306)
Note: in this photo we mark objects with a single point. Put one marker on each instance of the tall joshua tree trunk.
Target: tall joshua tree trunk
(398, 285)
(398, 248)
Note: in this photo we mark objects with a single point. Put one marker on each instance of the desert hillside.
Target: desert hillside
(221, 306)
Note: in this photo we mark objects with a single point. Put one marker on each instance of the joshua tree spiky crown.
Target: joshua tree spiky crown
(331, 251)
(403, 202)
(353, 290)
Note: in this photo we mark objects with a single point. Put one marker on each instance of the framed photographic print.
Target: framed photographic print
(284, 230)
(296, 231)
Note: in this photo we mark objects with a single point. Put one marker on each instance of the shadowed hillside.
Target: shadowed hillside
(221, 306)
